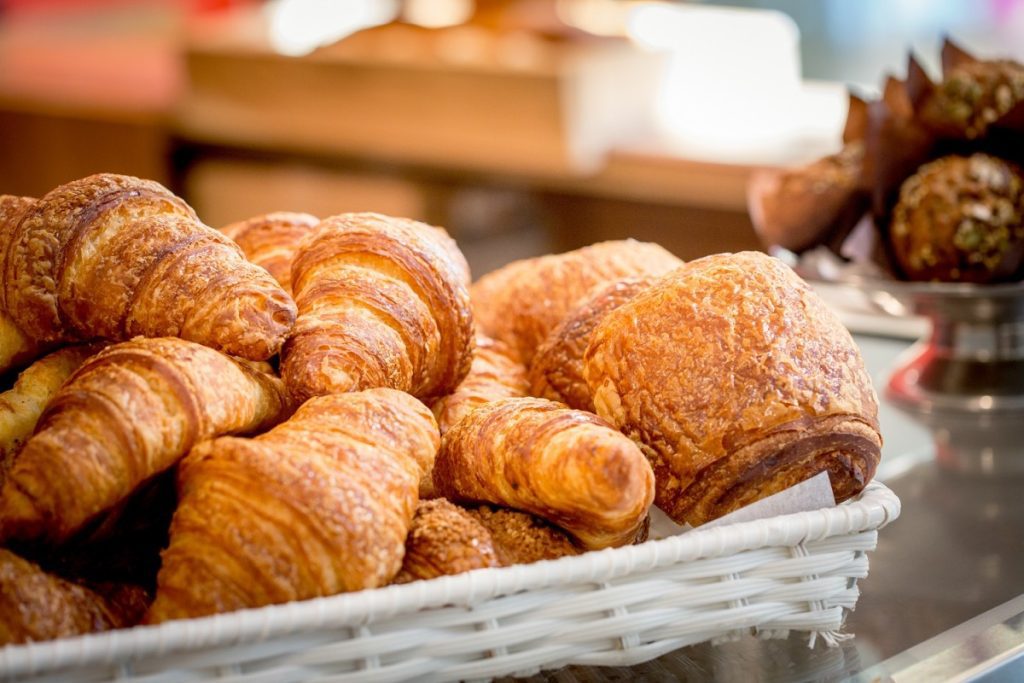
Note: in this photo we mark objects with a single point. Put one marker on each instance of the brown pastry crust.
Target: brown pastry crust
(128, 413)
(557, 369)
(960, 219)
(270, 241)
(22, 404)
(522, 302)
(567, 466)
(737, 381)
(493, 375)
(35, 605)
(16, 348)
(445, 539)
(521, 538)
(320, 505)
(381, 305)
(112, 257)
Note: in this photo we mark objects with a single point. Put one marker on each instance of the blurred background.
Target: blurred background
(523, 126)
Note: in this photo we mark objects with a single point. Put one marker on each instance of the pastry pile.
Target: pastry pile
(322, 406)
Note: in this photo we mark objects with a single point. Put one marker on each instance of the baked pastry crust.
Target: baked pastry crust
(270, 241)
(113, 257)
(566, 466)
(522, 302)
(556, 372)
(128, 413)
(737, 381)
(381, 304)
(319, 505)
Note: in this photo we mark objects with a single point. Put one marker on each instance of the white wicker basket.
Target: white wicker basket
(612, 608)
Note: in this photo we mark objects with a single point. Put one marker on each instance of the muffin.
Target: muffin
(960, 219)
(974, 95)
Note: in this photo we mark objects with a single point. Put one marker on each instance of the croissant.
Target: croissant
(566, 466)
(113, 257)
(556, 372)
(22, 404)
(129, 412)
(36, 605)
(270, 241)
(522, 302)
(445, 539)
(494, 374)
(381, 304)
(15, 348)
(737, 381)
(319, 505)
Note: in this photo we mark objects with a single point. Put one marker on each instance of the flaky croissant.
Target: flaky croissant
(494, 374)
(22, 404)
(270, 241)
(737, 381)
(556, 372)
(320, 505)
(566, 466)
(381, 304)
(113, 257)
(522, 302)
(16, 348)
(36, 605)
(128, 413)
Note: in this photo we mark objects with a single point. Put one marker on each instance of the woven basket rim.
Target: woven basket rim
(874, 508)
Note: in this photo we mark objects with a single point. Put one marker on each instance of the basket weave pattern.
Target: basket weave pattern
(610, 608)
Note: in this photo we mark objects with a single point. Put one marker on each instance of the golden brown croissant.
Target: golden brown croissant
(737, 381)
(22, 404)
(381, 304)
(113, 257)
(522, 302)
(494, 374)
(320, 505)
(270, 241)
(445, 539)
(522, 538)
(16, 348)
(566, 466)
(36, 605)
(130, 412)
(556, 372)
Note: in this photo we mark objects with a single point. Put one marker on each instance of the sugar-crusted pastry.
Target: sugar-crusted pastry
(737, 381)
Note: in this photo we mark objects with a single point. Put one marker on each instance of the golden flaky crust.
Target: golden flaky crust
(22, 404)
(381, 304)
(320, 505)
(113, 256)
(445, 539)
(567, 466)
(556, 372)
(521, 538)
(36, 605)
(270, 241)
(522, 302)
(128, 413)
(737, 381)
(494, 374)
(16, 348)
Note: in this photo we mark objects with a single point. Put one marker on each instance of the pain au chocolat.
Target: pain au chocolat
(737, 381)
